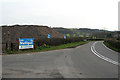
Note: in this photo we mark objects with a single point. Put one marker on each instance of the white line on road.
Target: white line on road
(101, 56)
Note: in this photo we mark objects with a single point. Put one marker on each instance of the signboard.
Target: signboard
(26, 43)
(64, 37)
(49, 35)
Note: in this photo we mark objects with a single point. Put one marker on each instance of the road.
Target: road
(80, 62)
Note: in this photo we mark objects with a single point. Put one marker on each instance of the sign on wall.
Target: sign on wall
(49, 36)
(64, 37)
(26, 43)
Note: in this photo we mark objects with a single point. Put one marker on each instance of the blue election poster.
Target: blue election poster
(64, 37)
(49, 35)
(26, 43)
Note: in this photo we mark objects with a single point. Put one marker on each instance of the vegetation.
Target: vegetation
(113, 44)
(49, 44)
(83, 32)
(57, 41)
(95, 39)
(47, 48)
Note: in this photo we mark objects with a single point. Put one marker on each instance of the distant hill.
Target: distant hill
(82, 32)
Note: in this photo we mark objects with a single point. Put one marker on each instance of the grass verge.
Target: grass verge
(113, 48)
(63, 46)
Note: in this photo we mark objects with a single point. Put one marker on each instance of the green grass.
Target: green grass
(48, 48)
(113, 48)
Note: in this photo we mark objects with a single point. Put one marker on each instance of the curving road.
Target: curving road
(92, 60)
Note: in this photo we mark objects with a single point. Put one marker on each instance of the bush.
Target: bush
(42, 47)
(113, 42)
(57, 41)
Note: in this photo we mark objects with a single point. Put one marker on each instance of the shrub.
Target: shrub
(57, 41)
(113, 42)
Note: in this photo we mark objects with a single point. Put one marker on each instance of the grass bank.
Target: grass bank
(48, 48)
(113, 48)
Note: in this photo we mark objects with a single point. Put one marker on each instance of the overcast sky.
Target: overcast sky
(95, 14)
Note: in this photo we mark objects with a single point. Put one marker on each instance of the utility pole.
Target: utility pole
(105, 32)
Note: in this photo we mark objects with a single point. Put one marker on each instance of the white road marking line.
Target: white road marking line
(101, 56)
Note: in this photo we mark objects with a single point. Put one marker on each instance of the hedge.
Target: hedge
(57, 41)
(113, 42)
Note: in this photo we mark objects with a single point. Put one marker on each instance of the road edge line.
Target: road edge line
(101, 56)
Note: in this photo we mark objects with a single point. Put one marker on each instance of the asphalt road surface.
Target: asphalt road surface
(91, 60)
